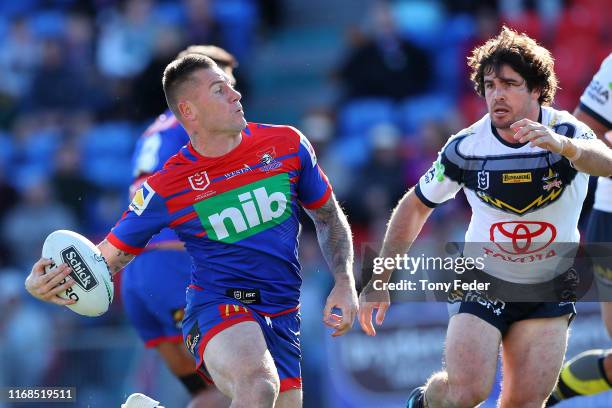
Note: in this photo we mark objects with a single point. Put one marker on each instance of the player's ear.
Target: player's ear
(187, 110)
(536, 93)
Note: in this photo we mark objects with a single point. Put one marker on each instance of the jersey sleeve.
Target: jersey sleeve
(597, 99)
(313, 187)
(145, 217)
(444, 179)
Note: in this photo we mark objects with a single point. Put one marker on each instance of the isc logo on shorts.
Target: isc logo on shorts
(81, 273)
(247, 210)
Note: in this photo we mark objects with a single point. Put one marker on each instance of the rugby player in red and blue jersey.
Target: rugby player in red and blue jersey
(232, 195)
(153, 285)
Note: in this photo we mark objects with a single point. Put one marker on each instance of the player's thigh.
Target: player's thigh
(239, 355)
(289, 399)
(178, 359)
(472, 348)
(532, 355)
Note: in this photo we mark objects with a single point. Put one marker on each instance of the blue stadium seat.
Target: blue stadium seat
(170, 12)
(237, 20)
(41, 148)
(107, 154)
(413, 112)
(357, 117)
(48, 23)
(18, 7)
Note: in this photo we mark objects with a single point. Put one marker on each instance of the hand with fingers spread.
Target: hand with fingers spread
(46, 286)
(369, 300)
(344, 297)
(539, 135)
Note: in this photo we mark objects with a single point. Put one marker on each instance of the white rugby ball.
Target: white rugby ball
(93, 290)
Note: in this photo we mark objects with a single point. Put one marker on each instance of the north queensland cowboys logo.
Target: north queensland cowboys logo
(199, 181)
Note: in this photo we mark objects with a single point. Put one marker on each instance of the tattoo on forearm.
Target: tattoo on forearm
(334, 235)
(116, 259)
(122, 259)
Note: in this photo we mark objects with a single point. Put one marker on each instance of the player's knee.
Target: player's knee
(258, 391)
(526, 398)
(468, 395)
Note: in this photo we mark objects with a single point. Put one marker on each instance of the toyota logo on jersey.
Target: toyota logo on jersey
(522, 237)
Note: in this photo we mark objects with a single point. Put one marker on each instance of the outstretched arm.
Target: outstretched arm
(406, 222)
(334, 235)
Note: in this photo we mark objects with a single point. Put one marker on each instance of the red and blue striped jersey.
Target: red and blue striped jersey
(237, 214)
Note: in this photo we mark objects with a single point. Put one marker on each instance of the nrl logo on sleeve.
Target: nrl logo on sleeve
(141, 199)
(199, 181)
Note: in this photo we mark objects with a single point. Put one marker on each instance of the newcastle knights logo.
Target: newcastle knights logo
(199, 181)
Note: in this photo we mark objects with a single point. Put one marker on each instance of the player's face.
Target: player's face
(217, 102)
(508, 97)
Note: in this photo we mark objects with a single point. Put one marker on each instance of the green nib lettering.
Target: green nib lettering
(439, 171)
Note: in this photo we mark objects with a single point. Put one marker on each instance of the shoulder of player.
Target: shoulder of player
(466, 140)
(564, 123)
(177, 166)
(283, 134)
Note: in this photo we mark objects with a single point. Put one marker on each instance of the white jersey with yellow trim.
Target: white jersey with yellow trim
(597, 102)
(523, 198)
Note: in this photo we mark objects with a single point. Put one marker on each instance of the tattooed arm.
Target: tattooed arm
(334, 235)
(116, 259)
(46, 286)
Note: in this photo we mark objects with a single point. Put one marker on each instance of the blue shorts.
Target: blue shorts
(599, 241)
(599, 228)
(153, 290)
(214, 313)
(502, 314)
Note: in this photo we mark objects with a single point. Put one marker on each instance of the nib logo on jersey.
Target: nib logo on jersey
(245, 211)
(522, 241)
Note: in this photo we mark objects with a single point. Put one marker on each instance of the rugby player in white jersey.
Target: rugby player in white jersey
(524, 168)
(591, 371)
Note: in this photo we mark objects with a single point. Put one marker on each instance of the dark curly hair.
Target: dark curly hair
(532, 61)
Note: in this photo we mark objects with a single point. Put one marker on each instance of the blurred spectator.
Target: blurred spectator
(26, 226)
(201, 26)
(80, 41)
(57, 86)
(379, 185)
(19, 55)
(147, 93)
(125, 45)
(69, 186)
(383, 64)
(26, 346)
(8, 199)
